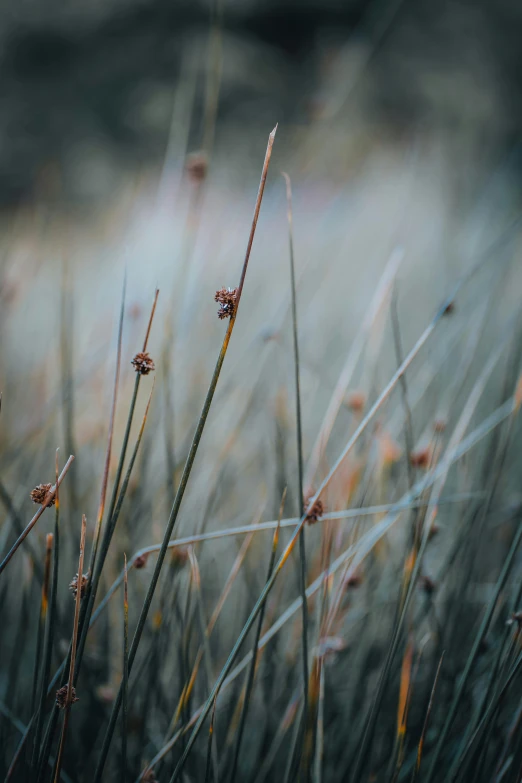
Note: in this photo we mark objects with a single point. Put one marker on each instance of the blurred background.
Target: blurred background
(132, 136)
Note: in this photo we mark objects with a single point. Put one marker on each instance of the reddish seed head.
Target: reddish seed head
(73, 585)
(143, 364)
(226, 297)
(356, 401)
(196, 167)
(61, 697)
(141, 561)
(39, 494)
(421, 458)
(313, 511)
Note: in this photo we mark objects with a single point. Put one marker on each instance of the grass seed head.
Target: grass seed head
(226, 297)
(143, 363)
(39, 494)
(61, 697)
(73, 585)
(314, 511)
(196, 167)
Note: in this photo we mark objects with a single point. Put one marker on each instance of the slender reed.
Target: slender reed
(70, 695)
(300, 488)
(188, 465)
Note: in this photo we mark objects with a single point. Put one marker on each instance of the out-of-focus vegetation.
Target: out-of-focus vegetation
(385, 485)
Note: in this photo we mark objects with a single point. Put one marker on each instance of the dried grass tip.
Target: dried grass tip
(150, 777)
(313, 511)
(73, 585)
(143, 364)
(39, 494)
(61, 697)
(196, 167)
(226, 297)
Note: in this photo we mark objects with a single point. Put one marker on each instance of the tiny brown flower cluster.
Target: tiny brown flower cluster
(39, 494)
(313, 511)
(61, 697)
(226, 297)
(421, 458)
(196, 167)
(143, 364)
(150, 777)
(73, 585)
(141, 561)
(356, 402)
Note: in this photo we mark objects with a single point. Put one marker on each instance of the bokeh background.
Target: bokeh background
(132, 137)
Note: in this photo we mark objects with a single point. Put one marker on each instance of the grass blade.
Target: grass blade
(70, 695)
(252, 670)
(188, 465)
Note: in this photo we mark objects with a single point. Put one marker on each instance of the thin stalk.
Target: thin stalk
(97, 561)
(319, 749)
(289, 767)
(70, 691)
(49, 639)
(302, 544)
(44, 604)
(50, 495)
(420, 746)
(108, 452)
(66, 368)
(125, 708)
(474, 651)
(188, 466)
(252, 670)
(208, 765)
(488, 716)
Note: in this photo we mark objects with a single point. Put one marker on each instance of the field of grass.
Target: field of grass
(353, 440)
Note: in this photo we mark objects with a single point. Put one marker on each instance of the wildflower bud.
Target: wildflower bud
(196, 167)
(39, 494)
(141, 561)
(356, 401)
(73, 585)
(143, 363)
(421, 458)
(61, 697)
(313, 511)
(226, 297)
